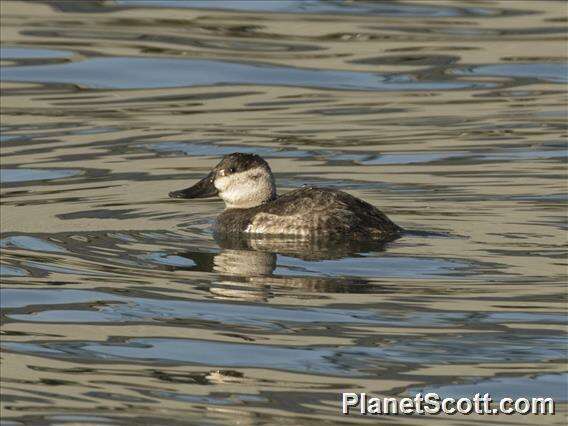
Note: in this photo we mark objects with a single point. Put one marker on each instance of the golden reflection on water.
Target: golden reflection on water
(120, 306)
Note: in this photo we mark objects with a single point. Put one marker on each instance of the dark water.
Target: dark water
(120, 307)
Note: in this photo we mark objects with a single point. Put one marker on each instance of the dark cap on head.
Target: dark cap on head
(239, 162)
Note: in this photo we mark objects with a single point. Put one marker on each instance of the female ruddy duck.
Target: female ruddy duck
(246, 184)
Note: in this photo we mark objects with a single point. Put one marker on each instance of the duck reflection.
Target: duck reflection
(248, 267)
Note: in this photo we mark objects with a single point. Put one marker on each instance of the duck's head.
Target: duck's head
(240, 180)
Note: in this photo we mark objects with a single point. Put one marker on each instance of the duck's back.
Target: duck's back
(311, 212)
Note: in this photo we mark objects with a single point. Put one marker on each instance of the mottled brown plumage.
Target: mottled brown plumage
(311, 211)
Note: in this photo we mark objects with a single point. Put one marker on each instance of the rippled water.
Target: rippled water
(119, 306)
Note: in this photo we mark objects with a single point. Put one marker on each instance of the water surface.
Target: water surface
(119, 306)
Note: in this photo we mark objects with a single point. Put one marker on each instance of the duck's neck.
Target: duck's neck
(250, 202)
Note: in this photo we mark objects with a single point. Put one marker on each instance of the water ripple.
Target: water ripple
(137, 73)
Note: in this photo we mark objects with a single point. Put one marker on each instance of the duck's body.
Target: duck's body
(310, 212)
(246, 184)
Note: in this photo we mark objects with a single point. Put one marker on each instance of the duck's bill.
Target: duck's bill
(203, 189)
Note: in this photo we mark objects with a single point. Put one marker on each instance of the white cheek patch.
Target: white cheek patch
(256, 176)
(221, 183)
(245, 189)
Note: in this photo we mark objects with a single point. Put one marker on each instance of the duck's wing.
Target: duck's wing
(318, 211)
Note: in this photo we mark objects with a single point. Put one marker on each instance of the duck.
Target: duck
(246, 184)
